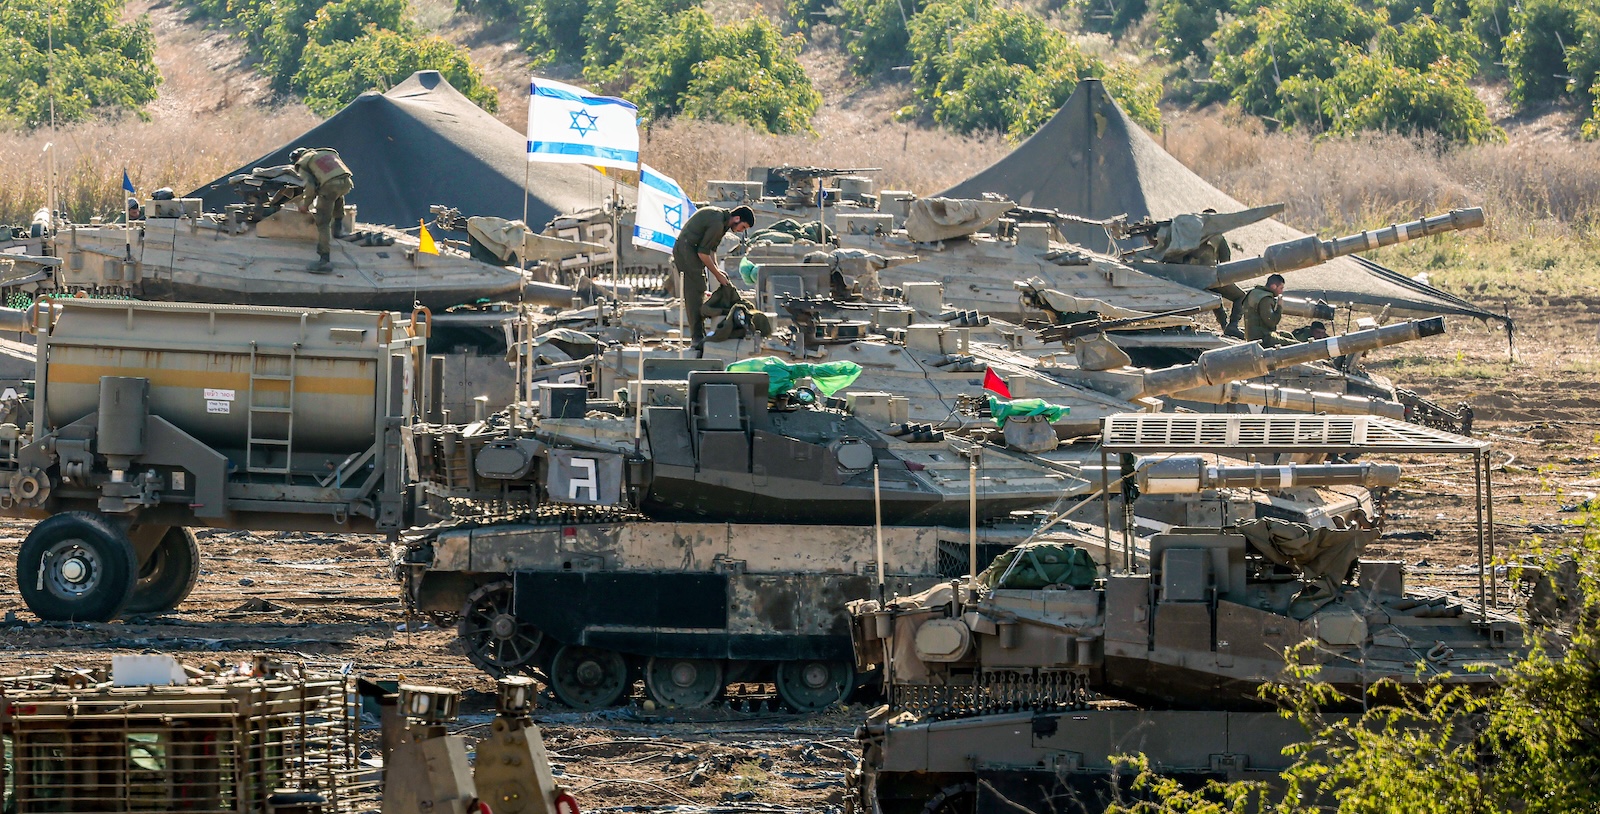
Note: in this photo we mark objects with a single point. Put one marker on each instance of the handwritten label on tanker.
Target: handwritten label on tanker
(219, 406)
(213, 394)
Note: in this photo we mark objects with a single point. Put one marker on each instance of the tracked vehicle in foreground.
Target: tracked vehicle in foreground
(1018, 687)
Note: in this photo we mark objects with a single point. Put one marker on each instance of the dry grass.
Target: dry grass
(90, 157)
(913, 158)
(1534, 189)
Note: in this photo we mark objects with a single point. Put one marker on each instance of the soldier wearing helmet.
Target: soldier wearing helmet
(327, 181)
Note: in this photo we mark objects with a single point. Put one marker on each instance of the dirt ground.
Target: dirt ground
(330, 601)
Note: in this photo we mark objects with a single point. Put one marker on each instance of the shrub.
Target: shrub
(336, 73)
(876, 32)
(552, 30)
(1007, 71)
(744, 71)
(1534, 53)
(99, 63)
(1375, 92)
(1289, 38)
(1186, 25)
(620, 35)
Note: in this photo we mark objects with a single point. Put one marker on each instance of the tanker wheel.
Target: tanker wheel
(813, 686)
(587, 678)
(495, 639)
(683, 683)
(76, 567)
(167, 577)
(960, 798)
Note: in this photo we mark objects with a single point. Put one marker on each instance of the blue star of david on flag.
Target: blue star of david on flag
(570, 125)
(584, 123)
(663, 208)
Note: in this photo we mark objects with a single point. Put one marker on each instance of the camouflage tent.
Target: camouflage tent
(1091, 160)
(424, 143)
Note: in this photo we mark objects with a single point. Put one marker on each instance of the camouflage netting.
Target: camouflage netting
(423, 143)
(1091, 160)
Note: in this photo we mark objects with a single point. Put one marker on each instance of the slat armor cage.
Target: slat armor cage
(228, 745)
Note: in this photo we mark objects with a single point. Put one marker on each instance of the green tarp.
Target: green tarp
(831, 377)
(1003, 409)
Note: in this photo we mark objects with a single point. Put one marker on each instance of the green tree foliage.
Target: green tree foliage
(875, 32)
(1535, 55)
(1529, 744)
(99, 62)
(1186, 25)
(332, 51)
(617, 36)
(1006, 70)
(552, 30)
(335, 73)
(1332, 65)
(1583, 65)
(745, 71)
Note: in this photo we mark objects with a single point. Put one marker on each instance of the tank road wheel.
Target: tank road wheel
(960, 798)
(76, 567)
(168, 576)
(495, 639)
(812, 686)
(683, 683)
(586, 678)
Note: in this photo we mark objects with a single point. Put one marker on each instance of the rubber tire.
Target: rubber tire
(173, 569)
(109, 545)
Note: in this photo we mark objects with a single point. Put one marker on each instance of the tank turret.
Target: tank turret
(1045, 628)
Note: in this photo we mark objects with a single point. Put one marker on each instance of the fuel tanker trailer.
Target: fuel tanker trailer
(146, 418)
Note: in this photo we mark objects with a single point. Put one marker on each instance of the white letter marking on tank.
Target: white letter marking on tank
(588, 481)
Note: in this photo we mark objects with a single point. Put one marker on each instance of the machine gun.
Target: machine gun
(799, 185)
(266, 189)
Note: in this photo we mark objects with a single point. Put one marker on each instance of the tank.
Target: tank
(257, 253)
(1017, 688)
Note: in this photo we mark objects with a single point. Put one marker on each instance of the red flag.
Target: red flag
(994, 384)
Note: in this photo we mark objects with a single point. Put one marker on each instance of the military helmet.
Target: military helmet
(294, 155)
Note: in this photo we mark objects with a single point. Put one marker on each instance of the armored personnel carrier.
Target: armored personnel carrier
(1024, 681)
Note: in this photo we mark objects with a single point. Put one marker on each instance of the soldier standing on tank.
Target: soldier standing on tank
(1262, 311)
(327, 181)
(695, 254)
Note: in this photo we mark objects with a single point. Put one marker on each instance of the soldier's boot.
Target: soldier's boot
(323, 265)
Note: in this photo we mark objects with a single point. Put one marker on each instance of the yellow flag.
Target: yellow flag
(427, 245)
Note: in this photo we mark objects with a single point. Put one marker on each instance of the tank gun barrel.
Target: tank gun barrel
(1189, 474)
(1289, 398)
(1240, 362)
(1308, 251)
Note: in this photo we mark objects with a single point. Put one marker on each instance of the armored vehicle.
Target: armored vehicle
(256, 253)
(1022, 682)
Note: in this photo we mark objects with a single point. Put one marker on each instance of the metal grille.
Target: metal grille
(1195, 432)
(996, 692)
(220, 748)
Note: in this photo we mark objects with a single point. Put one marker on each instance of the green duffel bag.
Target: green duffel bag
(1042, 564)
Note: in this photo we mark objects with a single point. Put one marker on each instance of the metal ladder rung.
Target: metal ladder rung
(280, 410)
(276, 442)
(270, 470)
(271, 377)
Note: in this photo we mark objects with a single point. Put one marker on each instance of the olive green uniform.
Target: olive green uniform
(701, 234)
(328, 180)
(1263, 310)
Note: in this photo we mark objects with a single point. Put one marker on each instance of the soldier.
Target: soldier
(1262, 311)
(1315, 330)
(327, 181)
(695, 253)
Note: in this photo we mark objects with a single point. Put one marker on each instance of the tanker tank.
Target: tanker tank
(147, 418)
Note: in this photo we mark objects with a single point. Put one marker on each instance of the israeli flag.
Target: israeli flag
(569, 125)
(663, 208)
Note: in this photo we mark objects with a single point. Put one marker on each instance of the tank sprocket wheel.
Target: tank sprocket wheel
(683, 683)
(957, 798)
(587, 678)
(813, 686)
(169, 574)
(493, 637)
